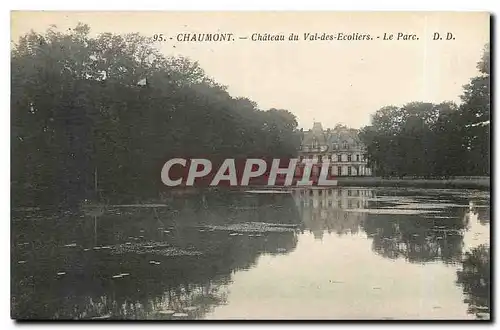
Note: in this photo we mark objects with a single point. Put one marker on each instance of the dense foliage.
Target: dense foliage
(113, 105)
(434, 140)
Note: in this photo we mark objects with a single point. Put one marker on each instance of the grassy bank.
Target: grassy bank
(452, 182)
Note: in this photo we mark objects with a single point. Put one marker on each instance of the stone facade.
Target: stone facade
(341, 146)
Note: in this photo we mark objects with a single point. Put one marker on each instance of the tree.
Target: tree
(425, 139)
(114, 107)
(475, 118)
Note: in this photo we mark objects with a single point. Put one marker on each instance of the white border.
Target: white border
(359, 5)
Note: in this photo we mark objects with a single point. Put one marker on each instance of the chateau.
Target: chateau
(341, 146)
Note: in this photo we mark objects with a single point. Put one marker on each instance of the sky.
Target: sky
(332, 82)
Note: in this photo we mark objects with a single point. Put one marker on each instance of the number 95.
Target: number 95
(158, 37)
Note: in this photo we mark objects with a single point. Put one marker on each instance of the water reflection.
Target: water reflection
(474, 277)
(327, 210)
(189, 258)
(420, 237)
(415, 238)
(75, 269)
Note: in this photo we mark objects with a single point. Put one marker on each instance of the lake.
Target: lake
(340, 253)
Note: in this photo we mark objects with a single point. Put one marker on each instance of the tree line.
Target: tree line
(434, 140)
(106, 112)
(99, 116)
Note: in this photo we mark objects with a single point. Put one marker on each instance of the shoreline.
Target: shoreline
(481, 183)
(452, 182)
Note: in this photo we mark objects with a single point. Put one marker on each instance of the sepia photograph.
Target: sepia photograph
(225, 165)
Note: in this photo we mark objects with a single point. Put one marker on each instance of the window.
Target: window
(310, 157)
(344, 145)
(349, 170)
(349, 158)
(320, 158)
(339, 170)
(339, 158)
(301, 159)
(357, 158)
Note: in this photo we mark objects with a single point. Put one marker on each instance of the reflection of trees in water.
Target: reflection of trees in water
(235, 207)
(415, 237)
(326, 209)
(483, 215)
(478, 212)
(201, 297)
(474, 277)
(88, 289)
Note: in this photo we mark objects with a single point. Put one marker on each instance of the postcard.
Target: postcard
(250, 165)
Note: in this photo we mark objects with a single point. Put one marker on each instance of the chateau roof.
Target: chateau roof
(339, 135)
(316, 133)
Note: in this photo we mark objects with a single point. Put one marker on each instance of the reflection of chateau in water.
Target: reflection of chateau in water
(194, 285)
(326, 209)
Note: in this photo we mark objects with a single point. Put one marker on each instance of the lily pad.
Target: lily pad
(254, 227)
